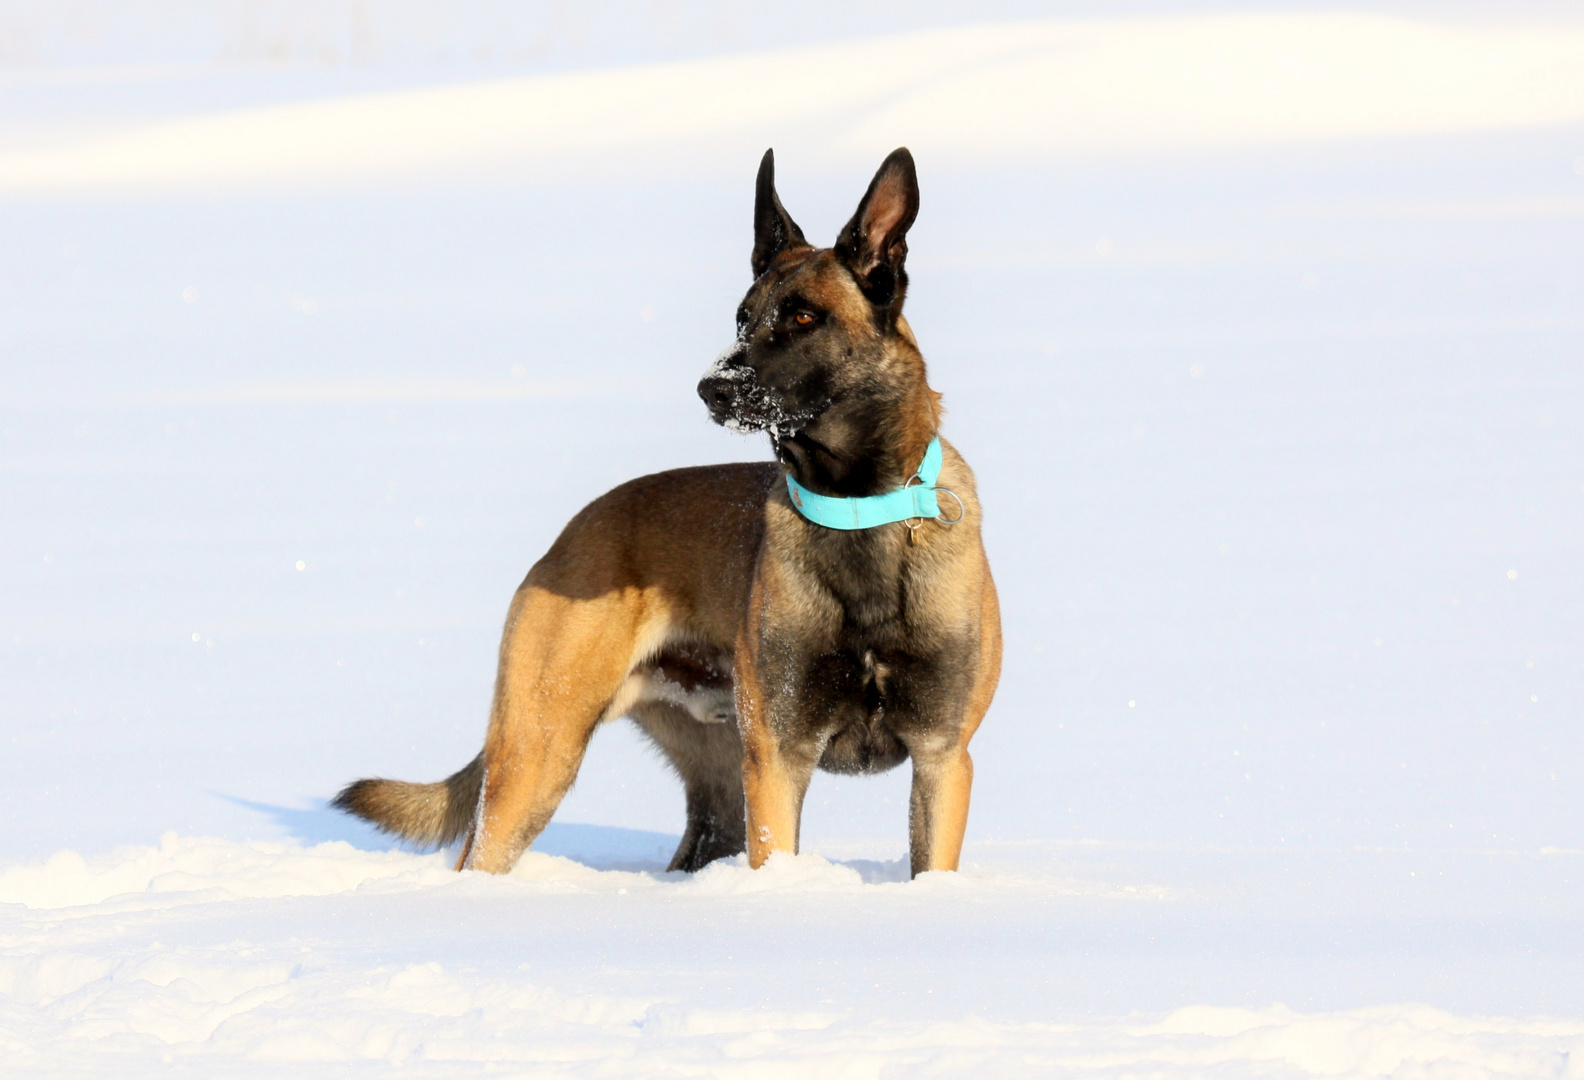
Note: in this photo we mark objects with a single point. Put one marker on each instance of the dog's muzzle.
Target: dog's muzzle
(720, 397)
(731, 393)
(739, 401)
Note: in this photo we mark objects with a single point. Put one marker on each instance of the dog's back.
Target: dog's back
(667, 557)
(687, 538)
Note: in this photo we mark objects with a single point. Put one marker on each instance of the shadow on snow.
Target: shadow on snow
(601, 847)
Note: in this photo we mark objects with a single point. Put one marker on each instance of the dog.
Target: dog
(833, 609)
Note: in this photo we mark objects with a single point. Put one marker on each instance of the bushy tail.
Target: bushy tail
(429, 815)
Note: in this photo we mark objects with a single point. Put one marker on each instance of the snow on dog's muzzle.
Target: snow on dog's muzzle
(739, 401)
(727, 386)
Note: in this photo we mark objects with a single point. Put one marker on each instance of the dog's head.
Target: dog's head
(817, 329)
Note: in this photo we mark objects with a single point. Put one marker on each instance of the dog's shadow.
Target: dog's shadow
(601, 847)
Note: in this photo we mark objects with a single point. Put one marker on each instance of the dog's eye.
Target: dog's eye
(804, 318)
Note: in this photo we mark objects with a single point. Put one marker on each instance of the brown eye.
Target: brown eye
(804, 318)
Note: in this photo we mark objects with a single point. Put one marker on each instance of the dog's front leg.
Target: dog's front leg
(938, 808)
(775, 779)
(776, 775)
(942, 769)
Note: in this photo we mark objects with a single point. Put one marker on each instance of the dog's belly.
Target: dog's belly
(696, 678)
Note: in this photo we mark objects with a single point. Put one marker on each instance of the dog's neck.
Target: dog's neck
(869, 445)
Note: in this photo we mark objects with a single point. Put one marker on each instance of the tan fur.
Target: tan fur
(431, 815)
(673, 591)
(663, 558)
(673, 557)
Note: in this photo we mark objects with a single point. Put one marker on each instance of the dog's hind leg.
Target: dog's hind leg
(715, 825)
(708, 758)
(564, 661)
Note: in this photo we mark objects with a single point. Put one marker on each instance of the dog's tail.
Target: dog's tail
(428, 815)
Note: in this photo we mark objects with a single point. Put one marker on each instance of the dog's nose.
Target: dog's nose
(717, 395)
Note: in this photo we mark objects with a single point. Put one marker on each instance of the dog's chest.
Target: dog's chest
(861, 632)
(883, 656)
(881, 597)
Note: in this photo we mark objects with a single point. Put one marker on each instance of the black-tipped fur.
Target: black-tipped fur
(874, 243)
(424, 815)
(774, 229)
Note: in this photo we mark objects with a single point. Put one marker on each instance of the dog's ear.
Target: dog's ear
(774, 229)
(874, 243)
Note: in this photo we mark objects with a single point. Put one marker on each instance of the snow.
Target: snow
(1260, 328)
(261, 956)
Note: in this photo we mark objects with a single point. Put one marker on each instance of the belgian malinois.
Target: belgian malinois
(749, 642)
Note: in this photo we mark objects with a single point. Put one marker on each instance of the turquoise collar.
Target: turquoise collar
(911, 500)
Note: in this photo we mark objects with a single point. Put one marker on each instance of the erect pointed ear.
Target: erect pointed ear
(874, 243)
(774, 229)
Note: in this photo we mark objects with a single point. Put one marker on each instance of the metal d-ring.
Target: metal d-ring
(962, 508)
(912, 525)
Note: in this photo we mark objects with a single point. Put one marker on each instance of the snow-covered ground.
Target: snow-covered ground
(261, 959)
(1263, 328)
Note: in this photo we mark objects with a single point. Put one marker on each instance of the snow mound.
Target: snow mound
(204, 868)
(189, 870)
(781, 872)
